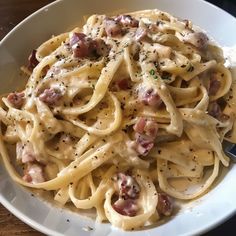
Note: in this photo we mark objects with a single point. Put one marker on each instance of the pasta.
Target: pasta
(121, 114)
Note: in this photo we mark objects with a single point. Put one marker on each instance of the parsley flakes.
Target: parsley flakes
(153, 74)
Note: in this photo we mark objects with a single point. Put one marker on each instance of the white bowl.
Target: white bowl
(195, 217)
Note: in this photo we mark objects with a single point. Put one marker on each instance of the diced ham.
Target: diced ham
(146, 132)
(123, 84)
(129, 191)
(82, 49)
(150, 97)
(27, 178)
(151, 128)
(144, 144)
(32, 60)
(197, 39)
(140, 34)
(50, 96)
(128, 187)
(84, 46)
(214, 85)
(127, 21)
(164, 205)
(76, 37)
(127, 207)
(81, 45)
(34, 173)
(148, 127)
(140, 125)
(16, 99)
(112, 27)
(25, 152)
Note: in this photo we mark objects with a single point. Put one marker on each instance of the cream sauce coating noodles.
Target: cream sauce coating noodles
(114, 114)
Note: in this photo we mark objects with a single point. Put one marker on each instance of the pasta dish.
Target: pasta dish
(123, 116)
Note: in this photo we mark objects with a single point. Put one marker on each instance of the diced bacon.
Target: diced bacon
(112, 27)
(27, 178)
(25, 152)
(123, 84)
(146, 132)
(214, 85)
(140, 34)
(197, 39)
(80, 44)
(129, 191)
(34, 174)
(148, 127)
(140, 125)
(127, 207)
(128, 187)
(50, 96)
(144, 144)
(84, 46)
(32, 60)
(150, 97)
(76, 37)
(164, 205)
(151, 128)
(127, 20)
(16, 99)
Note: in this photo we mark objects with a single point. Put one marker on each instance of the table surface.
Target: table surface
(11, 13)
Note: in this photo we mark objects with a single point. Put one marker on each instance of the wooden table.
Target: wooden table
(11, 13)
